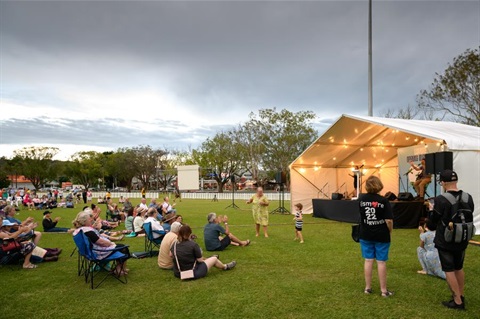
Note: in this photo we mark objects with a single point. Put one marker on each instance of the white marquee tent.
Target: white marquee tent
(383, 146)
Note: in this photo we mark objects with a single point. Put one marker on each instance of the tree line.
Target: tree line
(268, 142)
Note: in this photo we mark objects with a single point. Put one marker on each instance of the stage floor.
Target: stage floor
(405, 214)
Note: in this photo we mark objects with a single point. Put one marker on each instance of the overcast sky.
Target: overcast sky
(101, 75)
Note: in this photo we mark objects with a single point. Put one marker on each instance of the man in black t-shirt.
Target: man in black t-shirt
(451, 254)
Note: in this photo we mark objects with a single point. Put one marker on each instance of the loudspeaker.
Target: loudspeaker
(390, 196)
(337, 196)
(405, 197)
(281, 178)
(430, 163)
(443, 161)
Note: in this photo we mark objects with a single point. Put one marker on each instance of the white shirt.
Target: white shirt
(137, 224)
(155, 226)
(144, 206)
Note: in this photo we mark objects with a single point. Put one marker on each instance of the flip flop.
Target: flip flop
(248, 242)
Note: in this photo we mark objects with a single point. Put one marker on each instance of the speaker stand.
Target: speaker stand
(281, 203)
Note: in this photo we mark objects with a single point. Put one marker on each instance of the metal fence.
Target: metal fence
(195, 195)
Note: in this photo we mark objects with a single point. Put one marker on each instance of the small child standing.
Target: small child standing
(298, 222)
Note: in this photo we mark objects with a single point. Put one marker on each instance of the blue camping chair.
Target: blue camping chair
(150, 242)
(90, 266)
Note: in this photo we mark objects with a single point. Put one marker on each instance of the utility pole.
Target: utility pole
(370, 94)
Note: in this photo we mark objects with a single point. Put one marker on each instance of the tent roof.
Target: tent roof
(373, 141)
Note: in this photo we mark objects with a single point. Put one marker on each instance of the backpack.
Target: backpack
(461, 228)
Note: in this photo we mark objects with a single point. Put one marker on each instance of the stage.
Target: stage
(405, 214)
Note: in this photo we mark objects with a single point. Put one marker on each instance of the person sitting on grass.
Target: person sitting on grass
(187, 255)
(138, 221)
(212, 233)
(427, 253)
(102, 246)
(164, 258)
(50, 226)
(166, 207)
(26, 247)
(129, 220)
(157, 229)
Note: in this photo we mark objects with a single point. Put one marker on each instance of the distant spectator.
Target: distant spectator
(89, 196)
(157, 229)
(84, 195)
(144, 192)
(127, 204)
(166, 207)
(143, 204)
(129, 220)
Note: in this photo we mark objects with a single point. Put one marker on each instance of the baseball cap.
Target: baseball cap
(448, 176)
(46, 212)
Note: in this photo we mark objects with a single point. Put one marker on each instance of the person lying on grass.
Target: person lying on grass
(102, 246)
(187, 255)
(213, 232)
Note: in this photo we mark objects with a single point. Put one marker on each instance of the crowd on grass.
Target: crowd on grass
(179, 252)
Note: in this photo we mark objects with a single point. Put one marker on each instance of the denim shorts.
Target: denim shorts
(374, 250)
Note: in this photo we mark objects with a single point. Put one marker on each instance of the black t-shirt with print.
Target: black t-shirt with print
(374, 210)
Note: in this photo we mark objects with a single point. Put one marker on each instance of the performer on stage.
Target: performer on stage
(423, 179)
(355, 180)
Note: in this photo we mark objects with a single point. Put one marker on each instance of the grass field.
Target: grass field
(275, 278)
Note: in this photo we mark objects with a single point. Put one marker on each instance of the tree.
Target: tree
(284, 136)
(407, 113)
(4, 170)
(221, 154)
(120, 166)
(35, 163)
(167, 166)
(85, 168)
(145, 162)
(249, 141)
(455, 94)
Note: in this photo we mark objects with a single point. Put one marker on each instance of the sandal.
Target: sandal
(387, 294)
(368, 291)
(30, 266)
(248, 242)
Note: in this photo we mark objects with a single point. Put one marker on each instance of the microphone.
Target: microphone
(409, 171)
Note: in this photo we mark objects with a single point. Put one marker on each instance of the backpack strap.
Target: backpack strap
(464, 198)
(452, 199)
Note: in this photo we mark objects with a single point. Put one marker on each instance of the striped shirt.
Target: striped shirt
(298, 219)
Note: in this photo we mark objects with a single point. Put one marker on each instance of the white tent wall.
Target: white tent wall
(467, 165)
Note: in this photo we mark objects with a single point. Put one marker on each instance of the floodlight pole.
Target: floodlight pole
(370, 94)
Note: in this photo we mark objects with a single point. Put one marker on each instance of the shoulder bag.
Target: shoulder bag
(187, 274)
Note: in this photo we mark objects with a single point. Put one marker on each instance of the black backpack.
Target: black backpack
(460, 228)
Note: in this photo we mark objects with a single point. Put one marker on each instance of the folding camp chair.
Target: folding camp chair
(90, 266)
(150, 241)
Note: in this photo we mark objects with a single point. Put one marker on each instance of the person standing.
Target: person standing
(298, 222)
(375, 228)
(144, 192)
(84, 195)
(260, 211)
(451, 254)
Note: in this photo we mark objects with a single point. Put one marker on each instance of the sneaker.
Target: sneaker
(453, 305)
(230, 265)
(131, 235)
(368, 291)
(387, 294)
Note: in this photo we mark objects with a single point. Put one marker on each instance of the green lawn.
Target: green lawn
(275, 278)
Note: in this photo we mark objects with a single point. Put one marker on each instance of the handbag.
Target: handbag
(10, 245)
(187, 274)
(356, 233)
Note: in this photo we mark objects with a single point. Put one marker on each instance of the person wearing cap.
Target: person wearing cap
(212, 233)
(49, 225)
(26, 247)
(32, 234)
(451, 255)
(168, 220)
(164, 259)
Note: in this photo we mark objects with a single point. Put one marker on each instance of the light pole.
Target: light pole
(370, 93)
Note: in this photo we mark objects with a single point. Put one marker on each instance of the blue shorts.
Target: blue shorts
(374, 250)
